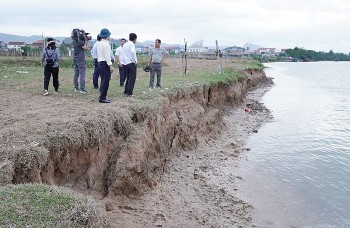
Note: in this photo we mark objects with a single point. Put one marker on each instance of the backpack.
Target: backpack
(49, 60)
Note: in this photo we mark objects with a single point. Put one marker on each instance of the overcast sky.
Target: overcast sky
(313, 24)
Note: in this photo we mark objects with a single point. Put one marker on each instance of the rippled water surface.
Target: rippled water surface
(297, 173)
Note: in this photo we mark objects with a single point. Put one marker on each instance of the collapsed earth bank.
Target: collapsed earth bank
(124, 152)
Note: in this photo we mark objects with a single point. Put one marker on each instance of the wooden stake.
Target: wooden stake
(184, 60)
(218, 57)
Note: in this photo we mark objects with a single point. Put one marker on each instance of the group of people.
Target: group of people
(125, 58)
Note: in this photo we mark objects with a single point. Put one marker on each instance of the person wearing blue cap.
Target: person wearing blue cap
(104, 64)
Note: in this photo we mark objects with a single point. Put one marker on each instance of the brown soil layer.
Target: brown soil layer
(198, 187)
(109, 151)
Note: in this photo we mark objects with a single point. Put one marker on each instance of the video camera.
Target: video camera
(79, 34)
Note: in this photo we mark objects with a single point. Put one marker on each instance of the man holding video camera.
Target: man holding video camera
(80, 44)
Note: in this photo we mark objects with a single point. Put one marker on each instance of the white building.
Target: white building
(198, 47)
(16, 45)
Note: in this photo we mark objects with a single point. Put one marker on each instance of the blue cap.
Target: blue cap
(104, 33)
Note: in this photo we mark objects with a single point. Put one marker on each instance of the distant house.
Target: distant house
(283, 51)
(38, 44)
(234, 51)
(172, 49)
(3, 45)
(139, 49)
(266, 52)
(198, 47)
(16, 45)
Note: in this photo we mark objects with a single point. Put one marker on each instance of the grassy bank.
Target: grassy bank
(46, 206)
(26, 75)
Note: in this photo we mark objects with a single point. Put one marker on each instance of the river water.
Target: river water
(297, 173)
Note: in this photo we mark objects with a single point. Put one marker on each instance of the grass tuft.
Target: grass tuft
(37, 205)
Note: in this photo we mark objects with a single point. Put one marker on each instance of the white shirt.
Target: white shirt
(119, 53)
(94, 50)
(104, 51)
(129, 53)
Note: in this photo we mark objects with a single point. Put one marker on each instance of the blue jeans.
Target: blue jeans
(105, 78)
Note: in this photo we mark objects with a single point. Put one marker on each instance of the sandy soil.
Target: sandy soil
(198, 188)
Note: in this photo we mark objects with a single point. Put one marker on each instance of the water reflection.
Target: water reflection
(297, 173)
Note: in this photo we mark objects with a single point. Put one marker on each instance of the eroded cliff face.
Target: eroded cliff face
(131, 163)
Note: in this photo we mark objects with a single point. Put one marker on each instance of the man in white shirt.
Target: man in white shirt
(130, 59)
(120, 61)
(104, 64)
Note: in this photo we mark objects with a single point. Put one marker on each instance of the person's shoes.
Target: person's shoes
(83, 91)
(158, 87)
(46, 92)
(106, 100)
(76, 90)
(95, 87)
(150, 88)
(57, 92)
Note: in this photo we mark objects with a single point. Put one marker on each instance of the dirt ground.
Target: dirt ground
(198, 188)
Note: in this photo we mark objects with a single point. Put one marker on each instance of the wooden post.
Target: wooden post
(184, 59)
(218, 56)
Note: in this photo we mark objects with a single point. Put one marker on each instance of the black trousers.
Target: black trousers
(105, 78)
(122, 75)
(130, 73)
(48, 71)
(96, 74)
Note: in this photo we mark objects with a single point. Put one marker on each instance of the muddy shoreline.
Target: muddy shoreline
(198, 188)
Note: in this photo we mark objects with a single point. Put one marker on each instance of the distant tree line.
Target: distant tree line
(310, 55)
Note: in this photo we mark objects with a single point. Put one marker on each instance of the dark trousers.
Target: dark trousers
(96, 74)
(48, 71)
(130, 73)
(156, 68)
(105, 78)
(122, 75)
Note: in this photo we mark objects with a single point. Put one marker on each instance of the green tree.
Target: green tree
(26, 48)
